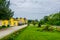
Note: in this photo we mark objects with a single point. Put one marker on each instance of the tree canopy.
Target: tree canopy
(5, 11)
(53, 19)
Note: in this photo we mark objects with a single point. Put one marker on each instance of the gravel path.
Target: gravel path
(10, 30)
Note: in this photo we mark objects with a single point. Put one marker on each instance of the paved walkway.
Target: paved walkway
(10, 30)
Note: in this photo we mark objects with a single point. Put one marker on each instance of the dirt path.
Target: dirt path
(10, 30)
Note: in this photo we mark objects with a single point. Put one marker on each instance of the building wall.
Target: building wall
(0, 22)
(15, 23)
(12, 22)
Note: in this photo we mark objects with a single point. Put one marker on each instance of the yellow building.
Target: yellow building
(12, 22)
(23, 21)
(15, 23)
(5, 22)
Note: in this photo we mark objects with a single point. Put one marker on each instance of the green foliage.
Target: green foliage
(34, 22)
(3, 26)
(46, 28)
(5, 11)
(42, 21)
(39, 24)
(8, 25)
(58, 29)
(0, 27)
(29, 22)
(53, 19)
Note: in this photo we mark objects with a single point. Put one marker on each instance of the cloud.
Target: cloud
(30, 8)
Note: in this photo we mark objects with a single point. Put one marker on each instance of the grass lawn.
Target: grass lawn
(31, 33)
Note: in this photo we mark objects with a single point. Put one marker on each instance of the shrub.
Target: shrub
(39, 25)
(8, 25)
(0, 27)
(46, 28)
(58, 29)
(51, 29)
(3, 26)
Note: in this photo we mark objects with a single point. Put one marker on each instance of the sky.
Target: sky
(34, 9)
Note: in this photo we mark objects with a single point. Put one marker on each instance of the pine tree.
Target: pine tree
(5, 11)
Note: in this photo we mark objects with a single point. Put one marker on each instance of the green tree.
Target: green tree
(53, 19)
(5, 11)
(46, 18)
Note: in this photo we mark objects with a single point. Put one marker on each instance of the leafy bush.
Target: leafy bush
(58, 29)
(3, 26)
(53, 19)
(39, 25)
(46, 28)
(8, 25)
(0, 27)
(49, 28)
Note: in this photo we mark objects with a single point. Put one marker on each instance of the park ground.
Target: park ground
(34, 33)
